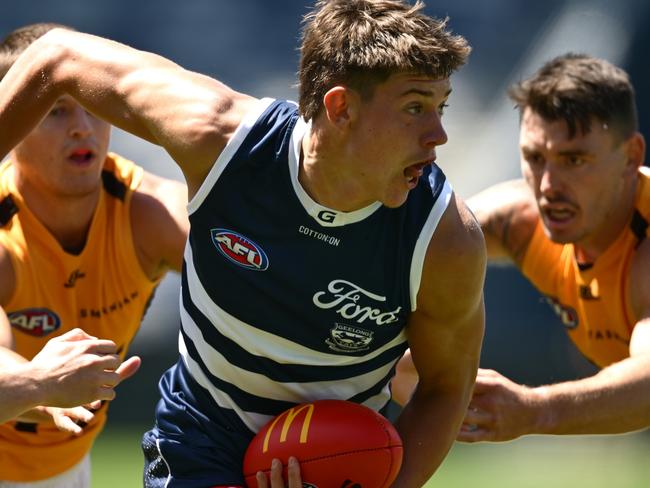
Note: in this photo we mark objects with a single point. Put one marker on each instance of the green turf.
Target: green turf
(533, 462)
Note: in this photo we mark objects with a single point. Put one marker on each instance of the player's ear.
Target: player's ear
(635, 150)
(341, 106)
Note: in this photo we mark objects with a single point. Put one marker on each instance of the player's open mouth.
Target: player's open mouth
(82, 156)
(558, 214)
(413, 173)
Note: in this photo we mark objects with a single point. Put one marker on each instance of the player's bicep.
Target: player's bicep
(445, 332)
(189, 114)
(446, 354)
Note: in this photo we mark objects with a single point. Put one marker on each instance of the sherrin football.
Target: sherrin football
(339, 444)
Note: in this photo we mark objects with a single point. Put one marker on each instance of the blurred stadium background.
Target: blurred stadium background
(252, 46)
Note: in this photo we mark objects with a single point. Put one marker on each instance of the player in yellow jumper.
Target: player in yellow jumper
(576, 226)
(84, 239)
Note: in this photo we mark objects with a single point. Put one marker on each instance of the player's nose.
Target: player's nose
(434, 133)
(80, 124)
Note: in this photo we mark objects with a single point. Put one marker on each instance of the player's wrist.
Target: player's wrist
(29, 383)
(543, 417)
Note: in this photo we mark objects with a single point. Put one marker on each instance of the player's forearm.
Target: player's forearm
(20, 391)
(616, 400)
(428, 426)
(26, 96)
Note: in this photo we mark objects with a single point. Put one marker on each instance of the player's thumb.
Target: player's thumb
(128, 368)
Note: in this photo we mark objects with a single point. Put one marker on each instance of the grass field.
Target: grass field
(533, 462)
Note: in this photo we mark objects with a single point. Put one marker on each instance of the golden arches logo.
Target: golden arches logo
(289, 417)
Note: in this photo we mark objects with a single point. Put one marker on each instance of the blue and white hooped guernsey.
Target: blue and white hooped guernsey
(284, 300)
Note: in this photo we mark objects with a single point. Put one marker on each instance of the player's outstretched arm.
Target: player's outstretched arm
(72, 369)
(615, 400)
(507, 214)
(445, 335)
(190, 115)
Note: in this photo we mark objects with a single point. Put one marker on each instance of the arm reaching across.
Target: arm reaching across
(615, 400)
(72, 369)
(123, 86)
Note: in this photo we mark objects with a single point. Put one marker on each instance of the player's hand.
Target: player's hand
(500, 410)
(75, 369)
(71, 420)
(294, 479)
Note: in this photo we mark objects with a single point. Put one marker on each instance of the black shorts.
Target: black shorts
(187, 448)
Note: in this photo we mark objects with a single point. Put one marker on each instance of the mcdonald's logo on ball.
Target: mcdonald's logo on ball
(339, 444)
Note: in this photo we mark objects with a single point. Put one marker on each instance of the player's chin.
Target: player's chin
(396, 199)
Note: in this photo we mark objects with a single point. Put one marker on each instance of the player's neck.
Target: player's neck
(594, 245)
(324, 175)
(67, 218)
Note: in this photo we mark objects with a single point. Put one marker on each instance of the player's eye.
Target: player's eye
(58, 111)
(534, 159)
(415, 108)
(575, 160)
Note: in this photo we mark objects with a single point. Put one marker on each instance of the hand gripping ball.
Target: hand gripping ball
(339, 444)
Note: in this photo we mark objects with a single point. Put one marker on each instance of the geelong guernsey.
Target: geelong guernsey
(284, 300)
(102, 290)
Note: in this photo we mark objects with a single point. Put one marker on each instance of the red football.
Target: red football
(339, 444)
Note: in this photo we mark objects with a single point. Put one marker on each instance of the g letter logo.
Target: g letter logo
(326, 216)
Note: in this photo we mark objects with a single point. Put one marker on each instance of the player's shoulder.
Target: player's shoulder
(507, 213)
(159, 223)
(157, 202)
(508, 198)
(458, 244)
(454, 266)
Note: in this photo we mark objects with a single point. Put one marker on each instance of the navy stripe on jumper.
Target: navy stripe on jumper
(281, 372)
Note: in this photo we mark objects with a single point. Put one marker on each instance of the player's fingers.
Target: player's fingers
(105, 393)
(481, 386)
(260, 477)
(79, 414)
(477, 415)
(76, 334)
(128, 368)
(110, 379)
(293, 473)
(102, 346)
(472, 433)
(66, 424)
(93, 405)
(276, 474)
(108, 362)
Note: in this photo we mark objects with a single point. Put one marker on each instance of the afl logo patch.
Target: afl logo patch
(38, 322)
(239, 249)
